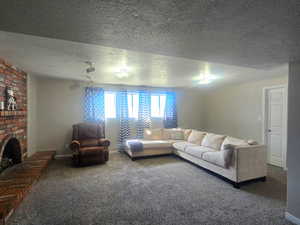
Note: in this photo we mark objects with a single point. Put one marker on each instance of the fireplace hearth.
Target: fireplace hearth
(11, 153)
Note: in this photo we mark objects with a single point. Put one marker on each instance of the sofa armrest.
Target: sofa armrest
(251, 162)
(104, 142)
(75, 146)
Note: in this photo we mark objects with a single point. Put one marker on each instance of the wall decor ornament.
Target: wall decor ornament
(2, 105)
(11, 102)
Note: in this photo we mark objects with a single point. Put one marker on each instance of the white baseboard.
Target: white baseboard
(113, 150)
(46, 149)
(62, 156)
(292, 218)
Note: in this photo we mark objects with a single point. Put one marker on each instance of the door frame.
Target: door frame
(285, 117)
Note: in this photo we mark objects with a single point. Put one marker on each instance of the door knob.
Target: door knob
(269, 130)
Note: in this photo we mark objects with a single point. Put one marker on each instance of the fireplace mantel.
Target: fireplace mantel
(12, 113)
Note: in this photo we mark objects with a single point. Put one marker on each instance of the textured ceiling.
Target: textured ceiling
(65, 59)
(253, 33)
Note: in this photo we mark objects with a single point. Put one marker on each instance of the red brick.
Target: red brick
(14, 122)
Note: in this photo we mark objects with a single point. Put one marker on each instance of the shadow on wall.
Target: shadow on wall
(68, 139)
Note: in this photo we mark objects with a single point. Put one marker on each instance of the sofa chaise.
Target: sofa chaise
(234, 159)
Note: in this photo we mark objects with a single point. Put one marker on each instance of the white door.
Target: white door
(275, 125)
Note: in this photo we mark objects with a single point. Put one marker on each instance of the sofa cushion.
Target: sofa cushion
(96, 150)
(213, 141)
(196, 137)
(215, 158)
(156, 144)
(177, 134)
(182, 145)
(173, 133)
(166, 133)
(197, 150)
(228, 154)
(234, 141)
(88, 142)
(186, 134)
(173, 141)
(153, 134)
(221, 158)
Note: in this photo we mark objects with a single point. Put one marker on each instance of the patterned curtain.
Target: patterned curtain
(144, 113)
(94, 106)
(122, 112)
(170, 119)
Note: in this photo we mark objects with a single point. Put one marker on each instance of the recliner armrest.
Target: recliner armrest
(104, 142)
(75, 146)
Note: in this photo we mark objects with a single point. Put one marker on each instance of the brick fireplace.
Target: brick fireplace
(13, 124)
(16, 182)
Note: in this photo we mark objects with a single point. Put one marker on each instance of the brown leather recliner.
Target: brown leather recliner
(89, 145)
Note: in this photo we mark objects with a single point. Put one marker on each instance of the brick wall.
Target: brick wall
(13, 123)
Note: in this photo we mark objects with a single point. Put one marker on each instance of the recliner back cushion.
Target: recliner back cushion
(213, 141)
(153, 134)
(196, 137)
(234, 141)
(86, 131)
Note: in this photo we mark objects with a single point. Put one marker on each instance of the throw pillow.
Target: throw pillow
(166, 134)
(196, 137)
(186, 133)
(173, 134)
(213, 141)
(153, 134)
(234, 141)
(252, 142)
(176, 134)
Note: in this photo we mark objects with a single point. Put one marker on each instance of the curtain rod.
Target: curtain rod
(130, 88)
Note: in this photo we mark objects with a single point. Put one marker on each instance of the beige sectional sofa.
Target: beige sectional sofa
(235, 159)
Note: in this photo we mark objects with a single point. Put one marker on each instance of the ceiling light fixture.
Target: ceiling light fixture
(90, 68)
(88, 71)
(123, 72)
(206, 77)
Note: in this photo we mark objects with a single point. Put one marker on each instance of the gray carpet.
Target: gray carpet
(164, 190)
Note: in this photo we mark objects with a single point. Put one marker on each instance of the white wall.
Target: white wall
(32, 114)
(60, 105)
(234, 110)
(293, 152)
(237, 110)
(190, 108)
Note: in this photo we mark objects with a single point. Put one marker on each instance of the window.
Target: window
(110, 104)
(158, 102)
(133, 105)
